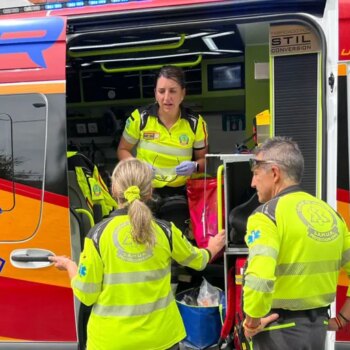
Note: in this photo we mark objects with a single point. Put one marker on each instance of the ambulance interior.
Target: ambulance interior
(111, 72)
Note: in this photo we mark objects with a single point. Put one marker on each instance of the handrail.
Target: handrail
(87, 213)
(219, 194)
(171, 46)
(150, 67)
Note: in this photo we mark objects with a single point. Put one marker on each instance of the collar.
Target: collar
(185, 112)
(290, 189)
(119, 212)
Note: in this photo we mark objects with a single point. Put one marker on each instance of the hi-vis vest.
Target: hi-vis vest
(92, 185)
(129, 285)
(297, 244)
(162, 148)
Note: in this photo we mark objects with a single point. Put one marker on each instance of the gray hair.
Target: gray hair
(287, 155)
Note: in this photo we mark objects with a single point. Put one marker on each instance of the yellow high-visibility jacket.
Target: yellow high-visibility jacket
(129, 285)
(92, 185)
(297, 245)
(162, 148)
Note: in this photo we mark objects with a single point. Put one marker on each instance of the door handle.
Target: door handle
(31, 258)
(28, 258)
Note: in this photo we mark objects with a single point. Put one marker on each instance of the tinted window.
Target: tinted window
(100, 86)
(22, 155)
(6, 160)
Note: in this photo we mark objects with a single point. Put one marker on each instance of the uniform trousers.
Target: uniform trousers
(294, 330)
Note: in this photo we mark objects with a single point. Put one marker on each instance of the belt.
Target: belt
(312, 314)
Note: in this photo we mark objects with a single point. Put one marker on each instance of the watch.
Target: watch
(197, 167)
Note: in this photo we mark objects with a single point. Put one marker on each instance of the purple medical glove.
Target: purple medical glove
(152, 168)
(186, 168)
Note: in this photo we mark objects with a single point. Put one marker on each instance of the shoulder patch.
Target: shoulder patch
(191, 117)
(143, 119)
(166, 227)
(269, 209)
(95, 233)
(145, 112)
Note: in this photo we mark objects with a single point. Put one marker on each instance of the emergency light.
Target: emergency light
(60, 5)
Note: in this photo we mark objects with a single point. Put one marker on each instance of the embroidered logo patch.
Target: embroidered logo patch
(151, 135)
(82, 270)
(254, 235)
(184, 140)
(97, 190)
(320, 220)
(127, 249)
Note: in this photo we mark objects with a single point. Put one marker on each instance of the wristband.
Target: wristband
(197, 167)
(337, 321)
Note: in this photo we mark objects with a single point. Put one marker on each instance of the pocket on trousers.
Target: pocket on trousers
(276, 326)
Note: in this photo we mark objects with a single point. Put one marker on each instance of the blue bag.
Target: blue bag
(202, 324)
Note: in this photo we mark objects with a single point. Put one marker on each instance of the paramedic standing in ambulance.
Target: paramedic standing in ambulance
(297, 244)
(171, 138)
(124, 269)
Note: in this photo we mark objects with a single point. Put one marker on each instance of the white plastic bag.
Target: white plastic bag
(208, 295)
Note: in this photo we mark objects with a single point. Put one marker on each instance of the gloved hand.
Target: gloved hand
(152, 168)
(186, 168)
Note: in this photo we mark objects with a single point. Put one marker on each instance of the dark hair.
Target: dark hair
(173, 73)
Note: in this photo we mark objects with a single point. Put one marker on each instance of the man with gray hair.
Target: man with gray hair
(297, 244)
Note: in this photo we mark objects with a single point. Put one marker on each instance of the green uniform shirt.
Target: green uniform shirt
(297, 244)
(129, 285)
(162, 148)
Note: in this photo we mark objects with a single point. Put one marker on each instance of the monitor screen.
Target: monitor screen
(225, 76)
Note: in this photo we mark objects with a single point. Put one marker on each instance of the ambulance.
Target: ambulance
(72, 71)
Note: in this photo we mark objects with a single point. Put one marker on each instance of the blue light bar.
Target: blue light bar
(97, 2)
(53, 6)
(75, 4)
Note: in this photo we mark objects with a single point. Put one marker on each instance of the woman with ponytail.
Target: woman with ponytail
(124, 269)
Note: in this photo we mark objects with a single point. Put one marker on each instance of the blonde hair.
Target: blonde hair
(130, 175)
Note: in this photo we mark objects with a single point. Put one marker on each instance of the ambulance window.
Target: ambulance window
(23, 130)
(6, 162)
